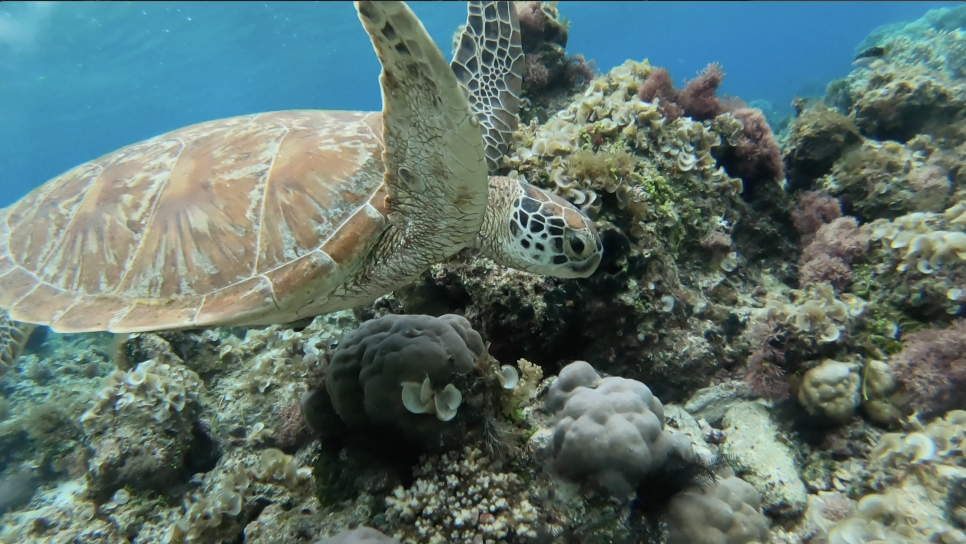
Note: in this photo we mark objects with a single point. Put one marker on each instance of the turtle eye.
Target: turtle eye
(576, 245)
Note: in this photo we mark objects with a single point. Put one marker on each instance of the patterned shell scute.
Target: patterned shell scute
(201, 226)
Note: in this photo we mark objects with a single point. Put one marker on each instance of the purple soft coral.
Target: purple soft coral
(832, 251)
(698, 98)
(812, 210)
(932, 369)
(757, 157)
(658, 85)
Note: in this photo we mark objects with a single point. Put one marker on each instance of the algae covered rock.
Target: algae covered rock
(818, 138)
(764, 462)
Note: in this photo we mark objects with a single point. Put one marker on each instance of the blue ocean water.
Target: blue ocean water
(80, 79)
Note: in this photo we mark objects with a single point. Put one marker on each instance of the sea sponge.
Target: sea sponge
(391, 370)
(609, 431)
(727, 511)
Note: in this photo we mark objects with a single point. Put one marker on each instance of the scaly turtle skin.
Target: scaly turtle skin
(273, 217)
(13, 337)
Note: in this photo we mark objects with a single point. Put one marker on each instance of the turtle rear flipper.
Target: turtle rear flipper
(13, 338)
(489, 62)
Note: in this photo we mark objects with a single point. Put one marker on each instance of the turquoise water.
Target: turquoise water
(81, 79)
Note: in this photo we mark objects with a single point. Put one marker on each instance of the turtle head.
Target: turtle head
(530, 229)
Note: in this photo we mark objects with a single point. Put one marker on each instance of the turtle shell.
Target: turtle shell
(239, 220)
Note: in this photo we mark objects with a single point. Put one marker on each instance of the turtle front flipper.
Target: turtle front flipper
(489, 62)
(436, 172)
(13, 338)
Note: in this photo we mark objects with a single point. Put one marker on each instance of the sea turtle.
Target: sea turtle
(273, 217)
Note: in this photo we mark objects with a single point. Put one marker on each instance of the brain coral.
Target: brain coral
(386, 359)
(609, 430)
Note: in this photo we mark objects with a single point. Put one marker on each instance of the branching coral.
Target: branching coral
(462, 498)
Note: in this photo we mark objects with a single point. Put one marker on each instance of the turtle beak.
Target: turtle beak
(586, 268)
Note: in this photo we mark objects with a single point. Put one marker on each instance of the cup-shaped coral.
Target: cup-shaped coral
(419, 398)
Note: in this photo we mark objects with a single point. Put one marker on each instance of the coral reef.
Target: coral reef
(804, 334)
(817, 140)
(830, 390)
(832, 251)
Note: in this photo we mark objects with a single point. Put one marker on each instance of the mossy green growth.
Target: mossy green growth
(879, 330)
(603, 167)
(673, 209)
(881, 318)
(334, 475)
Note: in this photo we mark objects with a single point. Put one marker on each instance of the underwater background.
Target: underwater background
(81, 79)
(748, 330)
